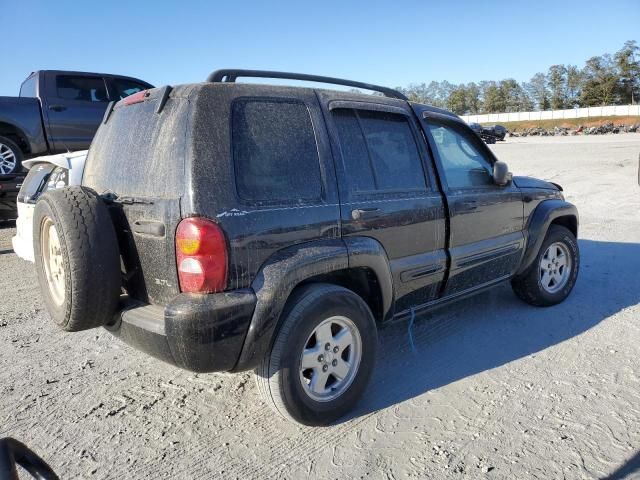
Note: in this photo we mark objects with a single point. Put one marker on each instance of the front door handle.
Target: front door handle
(57, 108)
(365, 213)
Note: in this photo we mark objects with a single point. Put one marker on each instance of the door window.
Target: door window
(464, 165)
(379, 151)
(84, 89)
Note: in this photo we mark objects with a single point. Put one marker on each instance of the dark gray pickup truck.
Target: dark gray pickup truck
(57, 111)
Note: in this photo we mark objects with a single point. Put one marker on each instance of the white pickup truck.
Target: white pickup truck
(45, 173)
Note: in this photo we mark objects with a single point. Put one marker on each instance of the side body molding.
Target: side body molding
(274, 283)
(369, 253)
(539, 221)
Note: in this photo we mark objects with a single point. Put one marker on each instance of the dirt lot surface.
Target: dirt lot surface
(492, 388)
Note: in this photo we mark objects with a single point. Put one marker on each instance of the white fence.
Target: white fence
(612, 111)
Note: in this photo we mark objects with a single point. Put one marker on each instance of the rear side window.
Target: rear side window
(28, 87)
(123, 88)
(274, 151)
(86, 89)
(379, 151)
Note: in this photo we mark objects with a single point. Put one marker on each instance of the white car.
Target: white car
(45, 173)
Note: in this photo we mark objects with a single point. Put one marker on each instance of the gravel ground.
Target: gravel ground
(493, 388)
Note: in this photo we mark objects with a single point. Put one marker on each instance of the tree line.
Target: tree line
(604, 80)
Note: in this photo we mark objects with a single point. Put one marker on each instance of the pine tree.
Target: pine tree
(628, 62)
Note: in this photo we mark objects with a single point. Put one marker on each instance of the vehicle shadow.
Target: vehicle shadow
(495, 328)
(7, 224)
(627, 469)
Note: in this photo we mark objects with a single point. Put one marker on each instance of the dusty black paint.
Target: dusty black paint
(201, 333)
(274, 283)
(366, 252)
(418, 250)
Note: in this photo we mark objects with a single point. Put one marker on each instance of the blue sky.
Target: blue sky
(392, 43)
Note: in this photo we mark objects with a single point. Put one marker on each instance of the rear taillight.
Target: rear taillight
(201, 254)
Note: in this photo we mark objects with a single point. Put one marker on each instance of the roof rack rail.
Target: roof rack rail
(231, 74)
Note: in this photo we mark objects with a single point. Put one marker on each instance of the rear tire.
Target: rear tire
(77, 258)
(329, 330)
(10, 157)
(561, 273)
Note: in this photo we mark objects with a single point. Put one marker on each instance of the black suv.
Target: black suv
(225, 227)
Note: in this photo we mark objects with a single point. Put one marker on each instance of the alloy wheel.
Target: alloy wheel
(555, 267)
(330, 359)
(7, 160)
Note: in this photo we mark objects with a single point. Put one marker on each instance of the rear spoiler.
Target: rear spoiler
(139, 97)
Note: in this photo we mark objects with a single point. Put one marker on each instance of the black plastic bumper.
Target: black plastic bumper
(201, 333)
(9, 188)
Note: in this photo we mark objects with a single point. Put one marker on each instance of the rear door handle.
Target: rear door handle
(57, 108)
(365, 213)
(149, 227)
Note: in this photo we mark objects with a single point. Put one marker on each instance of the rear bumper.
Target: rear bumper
(9, 188)
(8, 208)
(200, 333)
(23, 241)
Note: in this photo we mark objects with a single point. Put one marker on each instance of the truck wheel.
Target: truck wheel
(77, 258)
(553, 273)
(10, 157)
(322, 357)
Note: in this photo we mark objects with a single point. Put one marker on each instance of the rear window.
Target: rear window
(28, 88)
(123, 88)
(138, 152)
(274, 151)
(86, 89)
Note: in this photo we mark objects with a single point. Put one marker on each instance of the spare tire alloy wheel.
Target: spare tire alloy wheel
(52, 261)
(10, 157)
(330, 359)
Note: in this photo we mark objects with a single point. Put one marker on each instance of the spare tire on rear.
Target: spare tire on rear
(77, 258)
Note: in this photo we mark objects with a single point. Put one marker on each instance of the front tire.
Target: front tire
(322, 357)
(553, 273)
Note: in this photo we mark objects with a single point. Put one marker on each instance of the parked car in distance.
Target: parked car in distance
(276, 228)
(484, 133)
(46, 173)
(57, 111)
(498, 131)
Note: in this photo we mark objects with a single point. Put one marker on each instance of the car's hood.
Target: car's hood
(531, 182)
(64, 160)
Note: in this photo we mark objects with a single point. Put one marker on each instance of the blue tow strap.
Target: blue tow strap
(413, 317)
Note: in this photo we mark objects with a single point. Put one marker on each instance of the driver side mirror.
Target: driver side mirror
(501, 174)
